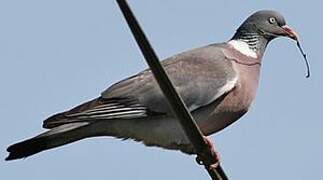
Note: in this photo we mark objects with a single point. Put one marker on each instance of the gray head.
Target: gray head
(262, 27)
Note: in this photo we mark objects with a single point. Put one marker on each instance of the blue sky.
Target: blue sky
(57, 54)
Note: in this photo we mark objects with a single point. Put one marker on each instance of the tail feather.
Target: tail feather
(50, 139)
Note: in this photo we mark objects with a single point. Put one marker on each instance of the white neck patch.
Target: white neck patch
(243, 48)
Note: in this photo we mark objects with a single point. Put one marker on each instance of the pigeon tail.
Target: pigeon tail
(50, 139)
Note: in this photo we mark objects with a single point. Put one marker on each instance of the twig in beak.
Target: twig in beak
(305, 58)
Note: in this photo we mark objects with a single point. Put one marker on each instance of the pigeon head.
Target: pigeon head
(269, 24)
(262, 27)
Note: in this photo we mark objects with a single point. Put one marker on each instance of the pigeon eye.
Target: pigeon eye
(272, 20)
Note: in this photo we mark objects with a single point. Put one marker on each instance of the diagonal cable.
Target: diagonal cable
(179, 109)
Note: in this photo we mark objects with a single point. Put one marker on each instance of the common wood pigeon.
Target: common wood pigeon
(217, 82)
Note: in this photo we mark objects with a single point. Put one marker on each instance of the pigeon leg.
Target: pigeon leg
(202, 158)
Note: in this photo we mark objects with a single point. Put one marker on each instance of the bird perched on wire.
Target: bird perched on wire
(217, 82)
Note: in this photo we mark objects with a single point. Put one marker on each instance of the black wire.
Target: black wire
(183, 115)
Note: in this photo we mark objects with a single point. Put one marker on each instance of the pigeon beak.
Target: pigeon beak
(289, 32)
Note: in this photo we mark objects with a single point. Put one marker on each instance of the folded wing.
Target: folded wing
(200, 76)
